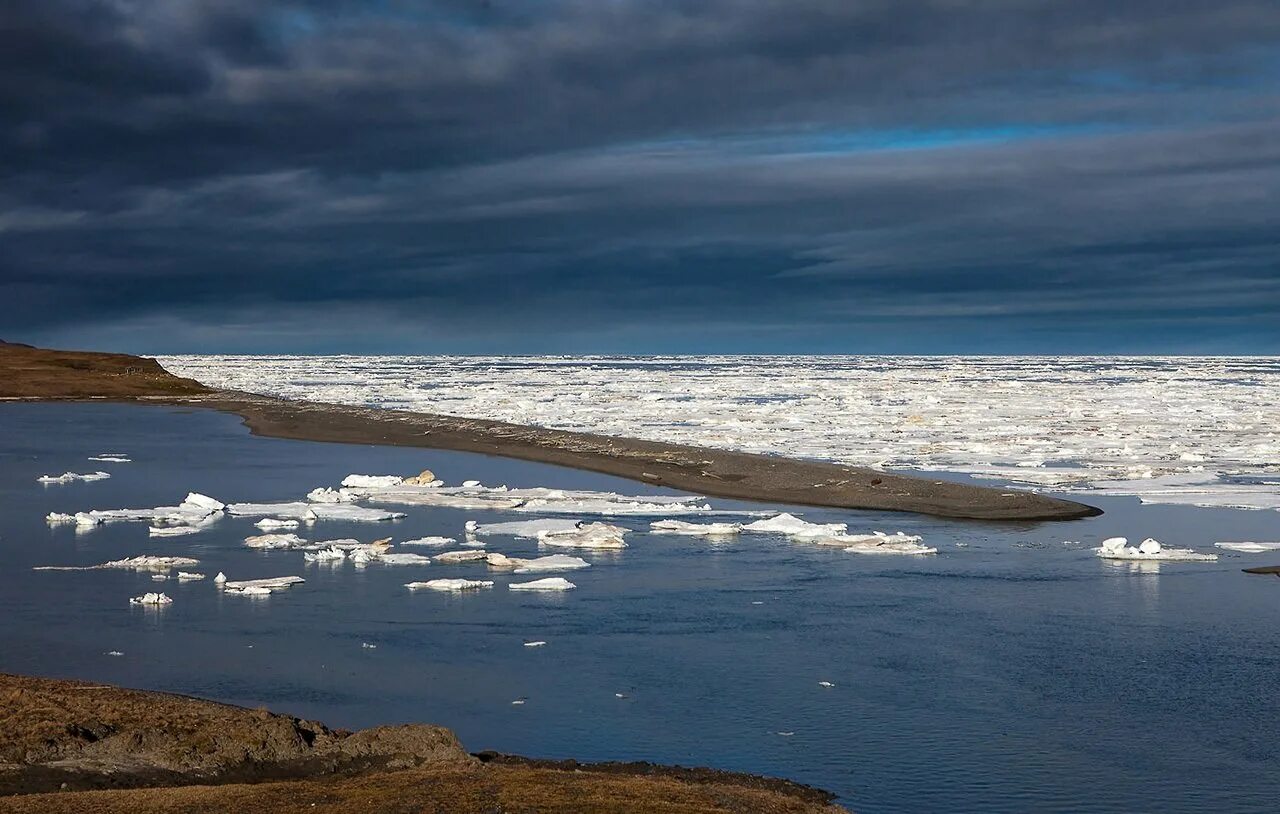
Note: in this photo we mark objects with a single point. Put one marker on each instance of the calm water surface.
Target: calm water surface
(1009, 673)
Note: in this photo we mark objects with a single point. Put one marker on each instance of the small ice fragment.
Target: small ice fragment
(372, 481)
(220, 579)
(1114, 548)
(109, 457)
(757, 602)
(188, 576)
(793, 526)
(171, 531)
(696, 529)
(403, 559)
(151, 599)
(1249, 547)
(786, 734)
(260, 586)
(470, 483)
(330, 554)
(461, 556)
(274, 541)
(59, 518)
(585, 535)
(72, 477)
(619, 695)
(517, 702)
(159, 577)
(548, 584)
(827, 684)
(432, 541)
(555, 562)
(114, 653)
(326, 495)
(534, 644)
(470, 526)
(450, 584)
(272, 523)
(367, 646)
(195, 500)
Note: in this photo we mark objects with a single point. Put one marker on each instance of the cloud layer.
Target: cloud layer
(633, 175)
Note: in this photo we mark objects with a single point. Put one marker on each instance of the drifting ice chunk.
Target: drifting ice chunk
(795, 527)
(435, 541)
(220, 579)
(1114, 548)
(330, 511)
(144, 562)
(696, 529)
(151, 599)
(460, 556)
(1249, 548)
(450, 584)
(274, 541)
(271, 523)
(470, 483)
(195, 500)
(187, 576)
(72, 477)
(330, 554)
(326, 495)
(372, 481)
(260, 586)
(159, 577)
(403, 559)
(880, 543)
(555, 562)
(110, 457)
(171, 531)
(525, 528)
(295, 510)
(443, 498)
(585, 535)
(548, 584)
(608, 507)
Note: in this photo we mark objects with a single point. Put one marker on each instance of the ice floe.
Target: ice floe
(879, 543)
(259, 586)
(372, 481)
(460, 556)
(195, 510)
(525, 528)
(310, 512)
(1117, 548)
(286, 540)
(696, 529)
(547, 584)
(450, 584)
(151, 599)
(327, 495)
(143, 562)
(188, 576)
(330, 554)
(397, 558)
(585, 535)
(72, 477)
(793, 526)
(554, 562)
(275, 524)
(108, 457)
(430, 541)
(1249, 547)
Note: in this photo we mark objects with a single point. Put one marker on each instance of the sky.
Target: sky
(641, 176)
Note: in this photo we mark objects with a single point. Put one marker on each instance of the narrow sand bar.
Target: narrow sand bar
(36, 374)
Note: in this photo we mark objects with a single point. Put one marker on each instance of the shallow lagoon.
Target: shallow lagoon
(1009, 673)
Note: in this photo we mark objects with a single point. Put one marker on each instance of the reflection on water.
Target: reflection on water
(1009, 673)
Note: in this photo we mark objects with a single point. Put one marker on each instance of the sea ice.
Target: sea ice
(151, 599)
(395, 558)
(287, 540)
(525, 528)
(696, 529)
(187, 576)
(326, 495)
(1249, 547)
(883, 544)
(497, 560)
(260, 586)
(372, 481)
(171, 531)
(585, 535)
(431, 541)
(450, 584)
(609, 506)
(1116, 548)
(272, 524)
(108, 457)
(72, 477)
(547, 584)
(350, 513)
(330, 554)
(795, 527)
(554, 562)
(143, 562)
(460, 556)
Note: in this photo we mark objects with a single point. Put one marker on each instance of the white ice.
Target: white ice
(143, 562)
(1117, 548)
(585, 535)
(188, 576)
(525, 528)
(274, 524)
(429, 541)
(460, 556)
(450, 584)
(696, 529)
(151, 599)
(1249, 547)
(195, 510)
(72, 477)
(793, 526)
(111, 458)
(375, 481)
(554, 562)
(260, 586)
(286, 540)
(547, 584)
(397, 558)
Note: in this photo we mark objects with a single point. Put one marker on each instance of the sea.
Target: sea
(1014, 670)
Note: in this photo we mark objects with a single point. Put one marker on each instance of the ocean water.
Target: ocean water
(1012, 672)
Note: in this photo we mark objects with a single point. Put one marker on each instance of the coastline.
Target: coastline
(72, 746)
(35, 374)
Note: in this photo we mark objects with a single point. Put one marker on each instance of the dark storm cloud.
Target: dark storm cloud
(591, 175)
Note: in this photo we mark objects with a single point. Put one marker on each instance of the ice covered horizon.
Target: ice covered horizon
(1198, 430)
